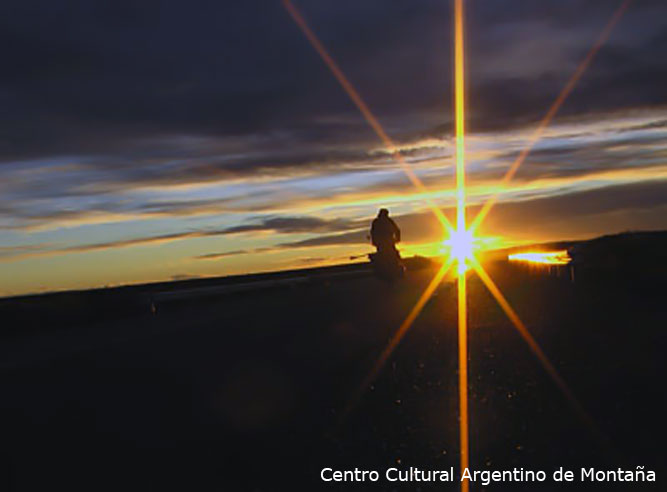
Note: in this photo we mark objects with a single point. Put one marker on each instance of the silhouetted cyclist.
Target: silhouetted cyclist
(385, 234)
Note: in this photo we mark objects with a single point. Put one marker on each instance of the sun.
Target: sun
(461, 246)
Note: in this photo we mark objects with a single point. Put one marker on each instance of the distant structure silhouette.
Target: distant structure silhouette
(385, 234)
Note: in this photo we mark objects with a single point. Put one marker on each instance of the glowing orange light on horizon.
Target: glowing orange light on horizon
(542, 257)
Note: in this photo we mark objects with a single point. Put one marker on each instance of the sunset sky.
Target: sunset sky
(146, 141)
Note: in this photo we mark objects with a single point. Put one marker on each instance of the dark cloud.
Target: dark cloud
(236, 252)
(292, 225)
(103, 101)
(574, 215)
(91, 78)
(354, 237)
(278, 225)
(225, 254)
(635, 206)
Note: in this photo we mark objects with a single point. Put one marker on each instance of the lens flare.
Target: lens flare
(461, 241)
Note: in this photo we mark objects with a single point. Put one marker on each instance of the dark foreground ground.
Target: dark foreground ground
(244, 391)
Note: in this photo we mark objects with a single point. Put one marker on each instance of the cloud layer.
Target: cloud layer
(156, 124)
